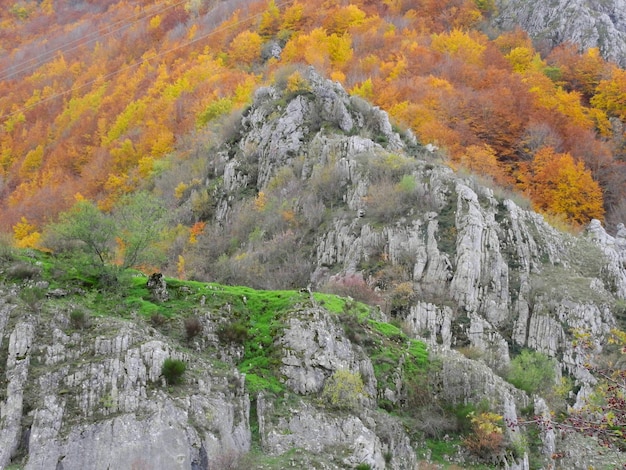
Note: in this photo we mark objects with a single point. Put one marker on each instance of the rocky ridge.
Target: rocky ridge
(484, 272)
(585, 23)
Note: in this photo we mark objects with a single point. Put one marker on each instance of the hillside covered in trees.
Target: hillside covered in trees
(96, 98)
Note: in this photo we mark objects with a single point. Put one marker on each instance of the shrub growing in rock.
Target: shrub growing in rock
(193, 327)
(532, 372)
(344, 390)
(79, 319)
(32, 297)
(352, 285)
(173, 370)
(235, 332)
(486, 438)
(157, 319)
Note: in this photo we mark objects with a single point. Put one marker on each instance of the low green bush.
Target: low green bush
(344, 390)
(32, 297)
(173, 370)
(79, 318)
(532, 372)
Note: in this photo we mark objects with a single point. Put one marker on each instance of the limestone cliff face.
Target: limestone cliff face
(487, 273)
(483, 272)
(498, 271)
(80, 401)
(583, 22)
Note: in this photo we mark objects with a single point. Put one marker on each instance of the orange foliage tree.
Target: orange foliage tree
(560, 185)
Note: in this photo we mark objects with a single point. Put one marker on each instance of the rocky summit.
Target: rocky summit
(444, 284)
(582, 22)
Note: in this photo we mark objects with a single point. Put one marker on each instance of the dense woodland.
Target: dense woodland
(94, 95)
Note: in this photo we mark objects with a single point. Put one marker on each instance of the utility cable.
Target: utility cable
(139, 62)
(97, 35)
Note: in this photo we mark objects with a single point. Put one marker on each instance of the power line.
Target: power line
(139, 62)
(76, 43)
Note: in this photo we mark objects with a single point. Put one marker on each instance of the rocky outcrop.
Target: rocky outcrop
(314, 347)
(78, 400)
(354, 440)
(485, 273)
(489, 259)
(478, 273)
(583, 22)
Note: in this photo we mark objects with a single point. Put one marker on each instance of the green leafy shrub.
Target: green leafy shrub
(344, 390)
(214, 110)
(135, 225)
(173, 370)
(532, 372)
(32, 297)
(79, 318)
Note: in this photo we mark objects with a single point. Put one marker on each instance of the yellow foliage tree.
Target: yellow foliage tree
(364, 90)
(270, 20)
(521, 58)
(340, 49)
(611, 94)
(297, 83)
(32, 162)
(460, 44)
(343, 18)
(245, 48)
(292, 17)
(26, 234)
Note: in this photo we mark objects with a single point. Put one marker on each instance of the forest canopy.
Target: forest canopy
(94, 95)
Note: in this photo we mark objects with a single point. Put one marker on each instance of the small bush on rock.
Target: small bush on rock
(233, 333)
(344, 390)
(486, 438)
(532, 372)
(79, 319)
(193, 327)
(173, 370)
(158, 319)
(32, 297)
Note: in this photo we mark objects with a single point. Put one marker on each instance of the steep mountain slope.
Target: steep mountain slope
(94, 105)
(311, 186)
(585, 23)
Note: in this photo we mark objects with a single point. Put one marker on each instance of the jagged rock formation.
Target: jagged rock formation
(505, 279)
(497, 269)
(483, 273)
(75, 401)
(583, 22)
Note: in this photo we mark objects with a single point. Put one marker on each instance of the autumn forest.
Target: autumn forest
(95, 94)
